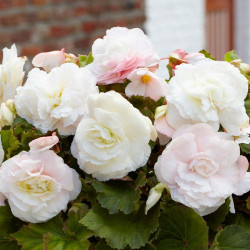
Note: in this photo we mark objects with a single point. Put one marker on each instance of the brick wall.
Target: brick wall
(45, 25)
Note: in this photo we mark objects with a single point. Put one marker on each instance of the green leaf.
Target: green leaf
(10, 143)
(182, 228)
(230, 56)
(25, 132)
(240, 219)
(215, 219)
(245, 148)
(248, 203)
(102, 245)
(146, 105)
(8, 223)
(32, 236)
(17, 138)
(56, 234)
(85, 60)
(117, 87)
(247, 104)
(170, 72)
(21, 123)
(7, 243)
(121, 230)
(206, 54)
(117, 195)
(232, 238)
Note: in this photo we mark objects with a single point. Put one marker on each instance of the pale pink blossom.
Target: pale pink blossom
(120, 52)
(49, 60)
(44, 143)
(146, 83)
(202, 168)
(180, 56)
(38, 184)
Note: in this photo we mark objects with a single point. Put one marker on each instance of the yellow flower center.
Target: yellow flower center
(57, 98)
(36, 185)
(145, 79)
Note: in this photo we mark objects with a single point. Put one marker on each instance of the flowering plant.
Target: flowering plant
(99, 152)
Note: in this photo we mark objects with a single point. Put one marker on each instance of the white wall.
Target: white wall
(176, 24)
(242, 29)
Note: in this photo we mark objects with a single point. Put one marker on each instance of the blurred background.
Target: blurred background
(45, 25)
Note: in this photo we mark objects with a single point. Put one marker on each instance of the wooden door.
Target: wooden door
(219, 27)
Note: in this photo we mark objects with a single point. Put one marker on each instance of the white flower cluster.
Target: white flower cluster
(200, 167)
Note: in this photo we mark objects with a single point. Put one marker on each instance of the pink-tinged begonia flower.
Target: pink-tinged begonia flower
(180, 56)
(38, 184)
(164, 130)
(120, 52)
(145, 83)
(44, 143)
(49, 60)
(202, 168)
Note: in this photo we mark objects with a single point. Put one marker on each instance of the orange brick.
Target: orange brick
(90, 26)
(38, 2)
(31, 50)
(58, 31)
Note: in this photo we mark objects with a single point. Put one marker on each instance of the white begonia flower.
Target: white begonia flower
(1, 152)
(56, 100)
(210, 92)
(38, 184)
(154, 196)
(2, 197)
(244, 136)
(114, 139)
(11, 73)
(7, 113)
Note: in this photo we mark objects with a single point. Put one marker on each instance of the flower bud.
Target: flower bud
(11, 105)
(49, 60)
(161, 111)
(44, 143)
(154, 196)
(7, 113)
(244, 68)
(71, 58)
(176, 58)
